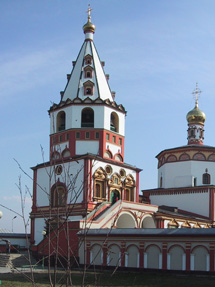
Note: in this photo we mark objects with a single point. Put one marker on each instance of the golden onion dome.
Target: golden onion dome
(89, 27)
(196, 115)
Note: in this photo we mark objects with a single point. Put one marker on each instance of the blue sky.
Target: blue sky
(155, 52)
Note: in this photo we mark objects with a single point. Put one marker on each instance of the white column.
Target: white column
(160, 261)
(192, 262)
(168, 261)
(184, 262)
(207, 262)
(138, 260)
(145, 260)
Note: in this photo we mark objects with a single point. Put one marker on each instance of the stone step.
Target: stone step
(4, 260)
(19, 260)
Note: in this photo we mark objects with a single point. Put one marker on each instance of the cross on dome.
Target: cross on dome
(89, 11)
(196, 94)
(89, 27)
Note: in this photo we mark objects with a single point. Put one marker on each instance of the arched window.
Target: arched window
(88, 88)
(206, 178)
(88, 60)
(58, 195)
(88, 72)
(129, 187)
(87, 118)
(114, 122)
(99, 189)
(61, 121)
(99, 184)
(129, 194)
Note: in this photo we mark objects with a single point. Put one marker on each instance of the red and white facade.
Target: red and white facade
(86, 185)
(186, 174)
(86, 169)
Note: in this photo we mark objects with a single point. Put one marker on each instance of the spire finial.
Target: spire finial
(89, 28)
(196, 94)
(89, 12)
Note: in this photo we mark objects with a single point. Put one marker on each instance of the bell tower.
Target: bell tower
(87, 119)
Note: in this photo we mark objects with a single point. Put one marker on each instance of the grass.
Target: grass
(120, 278)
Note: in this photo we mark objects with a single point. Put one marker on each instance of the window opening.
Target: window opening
(87, 135)
(114, 122)
(59, 196)
(61, 121)
(206, 178)
(87, 118)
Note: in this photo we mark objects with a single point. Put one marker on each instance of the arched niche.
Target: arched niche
(126, 220)
(148, 222)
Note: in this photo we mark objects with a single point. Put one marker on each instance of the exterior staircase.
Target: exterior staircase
(17, 260)
(4, 260)
(21, 259)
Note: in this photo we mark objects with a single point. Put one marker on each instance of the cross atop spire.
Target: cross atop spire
(89, 12)
(196, 94)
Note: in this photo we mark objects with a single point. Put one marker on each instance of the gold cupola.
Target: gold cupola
(89, 27)
(196, 115)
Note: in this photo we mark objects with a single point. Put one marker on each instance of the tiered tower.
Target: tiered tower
(86, 166)
(87, 119)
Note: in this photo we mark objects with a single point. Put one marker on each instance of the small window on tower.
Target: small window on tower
(107, 137)
(87, 136)
(97, 135)
(87, 118)
(88, 60)
(120, 141)
(88, 72)
(88, 91)
(77, 135)
(114, 139)
(114, 122)
(88, 88)
(206, 178)
(61, 121)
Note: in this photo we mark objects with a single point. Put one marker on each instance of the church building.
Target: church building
(86, 198)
